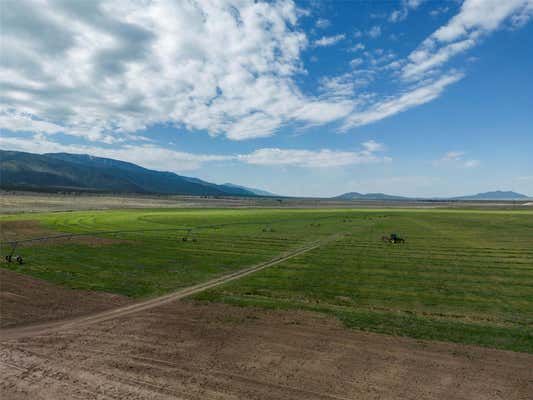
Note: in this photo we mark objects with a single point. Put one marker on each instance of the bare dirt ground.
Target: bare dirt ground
(26, 300)
(186, 350)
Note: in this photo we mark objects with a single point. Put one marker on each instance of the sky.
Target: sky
(302, 98)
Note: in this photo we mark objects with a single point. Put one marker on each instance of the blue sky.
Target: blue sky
(310, 98)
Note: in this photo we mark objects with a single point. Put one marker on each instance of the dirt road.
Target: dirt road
(145, 305)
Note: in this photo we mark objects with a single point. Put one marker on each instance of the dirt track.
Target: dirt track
(49, 327)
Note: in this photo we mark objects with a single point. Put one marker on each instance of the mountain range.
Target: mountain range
(81, 172)
(495, 195)
(85, 173)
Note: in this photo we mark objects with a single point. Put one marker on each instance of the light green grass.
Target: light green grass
(150, 263)
(462, 276)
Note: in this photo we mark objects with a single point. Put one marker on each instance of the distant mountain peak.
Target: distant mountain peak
(495, 195)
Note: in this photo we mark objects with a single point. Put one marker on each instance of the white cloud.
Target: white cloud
(439, 10)
(423, 60)
(373, 146)
(398, 15)
(322, 23)
(102, 69)
(402, 13)
(356, 62)
(521, 18)
(323, 158)
(375, 31)
(105, 70)
(475, 19)
(147, 155)
(326, 41)
(342, 86)
(160, 158)
(456, 158)
(357, 47)
(387, 107)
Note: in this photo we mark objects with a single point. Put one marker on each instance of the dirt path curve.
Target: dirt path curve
(45, 328)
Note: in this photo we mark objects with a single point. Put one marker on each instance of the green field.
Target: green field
(462, 276)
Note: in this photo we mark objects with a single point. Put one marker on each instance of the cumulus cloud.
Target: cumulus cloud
(100, 69)
(476, 19)
(457, 159)
(103, 70)
(326, 41)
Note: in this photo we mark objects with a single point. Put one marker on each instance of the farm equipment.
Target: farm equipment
(393, 238)
(12, 257)
(189, 237)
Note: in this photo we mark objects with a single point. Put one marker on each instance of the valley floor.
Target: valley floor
(281, 332)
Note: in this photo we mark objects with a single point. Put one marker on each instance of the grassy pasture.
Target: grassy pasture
(463, 276)
(157, 261)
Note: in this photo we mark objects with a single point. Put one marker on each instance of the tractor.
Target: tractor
(393, 238)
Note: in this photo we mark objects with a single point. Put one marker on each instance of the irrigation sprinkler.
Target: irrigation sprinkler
(189, 237)
(268, 228)
(11, 256)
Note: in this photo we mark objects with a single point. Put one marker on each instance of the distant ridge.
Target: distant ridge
(82, 172)
(495, 195)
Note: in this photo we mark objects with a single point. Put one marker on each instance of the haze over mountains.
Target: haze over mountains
(368, 196)
(258, 192)
(85, 173)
